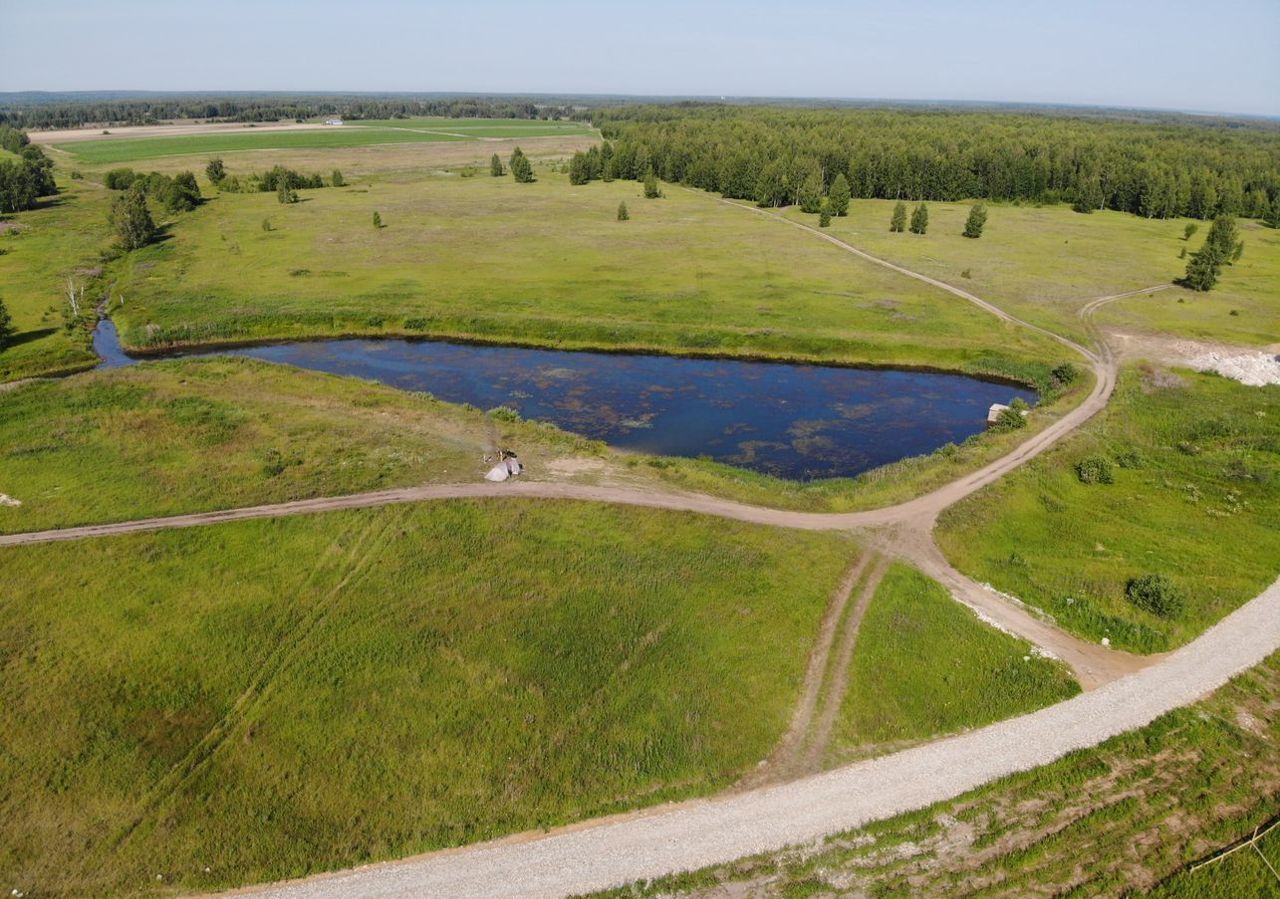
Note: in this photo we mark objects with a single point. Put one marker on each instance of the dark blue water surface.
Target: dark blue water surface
(794, 421)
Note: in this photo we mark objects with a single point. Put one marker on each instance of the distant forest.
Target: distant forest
(1157, 169)
(65, 111)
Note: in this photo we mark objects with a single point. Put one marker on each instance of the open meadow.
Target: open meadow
(544, 264)
(271, 698)
(194, 435)
(1178, 477)
(1043, 263)
(926, 666)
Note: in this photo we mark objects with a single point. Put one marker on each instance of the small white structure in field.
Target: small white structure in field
(333, 121)
(508, 467)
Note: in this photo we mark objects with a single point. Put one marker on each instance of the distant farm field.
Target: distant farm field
(122, 149)
(197, 709)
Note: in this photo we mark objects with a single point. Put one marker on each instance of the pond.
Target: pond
(800, 422)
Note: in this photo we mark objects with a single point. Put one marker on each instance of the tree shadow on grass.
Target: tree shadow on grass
(29, 336)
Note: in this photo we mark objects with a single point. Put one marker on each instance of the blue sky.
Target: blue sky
(1222, 57)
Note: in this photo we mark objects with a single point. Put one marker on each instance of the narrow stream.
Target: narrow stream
(795, 421)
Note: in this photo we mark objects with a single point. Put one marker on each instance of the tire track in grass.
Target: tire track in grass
(785, 756)
(838, 680)
(369, 540)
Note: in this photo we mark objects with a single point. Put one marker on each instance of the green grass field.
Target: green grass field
(1042, 263)
(119, 150)
(196, 709)
(41, 249)
(1122, 819)
(544, 264)
(926, 666)
(193, 435)
(1199, 502)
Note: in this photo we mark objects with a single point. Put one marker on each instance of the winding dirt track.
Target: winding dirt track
(1124, 691)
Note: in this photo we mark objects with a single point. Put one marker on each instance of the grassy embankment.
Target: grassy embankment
(1195, 461)
(119, 150)
(1112, 821)
(926, 666)
(1042, 263)
(193, 435)
(263, 699)
(38, 251)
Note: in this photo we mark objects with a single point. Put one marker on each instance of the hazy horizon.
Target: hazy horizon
(1143, 55)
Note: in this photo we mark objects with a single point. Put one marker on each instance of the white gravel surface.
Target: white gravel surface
(695, 834)
(1253, 369)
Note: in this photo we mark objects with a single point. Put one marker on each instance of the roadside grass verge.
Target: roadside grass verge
(40, 249)
(245, 702)
(543, 264)
(1111, 821)
(1042, 263)
(192, 435)
(926, 666)
(1194, 461)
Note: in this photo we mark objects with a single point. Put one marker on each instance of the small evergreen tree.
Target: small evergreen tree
(215, 171)
(839, 195)
(377, 220)
(824, 215)
(651, 191)
(920, 219)
(977, 220)
(810, 193)
(495, 166)
(131, 220)
(579, 168)
(1190, 230)
(1202, 270)
(899, 221)
(521, 169)
(623, 215)
(337, 180)
(6, 326)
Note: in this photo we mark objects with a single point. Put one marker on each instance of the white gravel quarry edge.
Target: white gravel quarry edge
(695, 834)
(1251, 369)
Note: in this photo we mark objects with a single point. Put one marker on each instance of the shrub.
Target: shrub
(503, 413)
(1094, 470)
(1129, 458)
(1156, 594)
(623, 214)
(377, 220)
(337, 179)
(119, 179)
(1065, 374)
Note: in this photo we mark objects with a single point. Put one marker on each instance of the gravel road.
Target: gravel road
(691, 835)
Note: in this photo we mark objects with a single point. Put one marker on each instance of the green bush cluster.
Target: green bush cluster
(1095, 470)
(1156, 594)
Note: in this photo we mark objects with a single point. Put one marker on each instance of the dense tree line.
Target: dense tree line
(782, 156)
(262, 108)
(27, 178)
